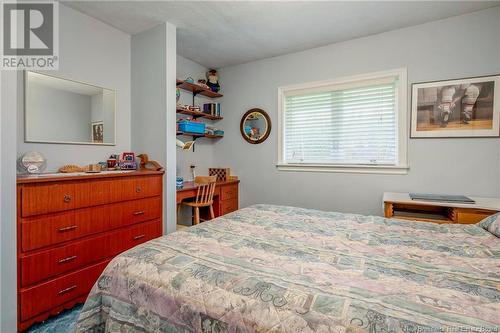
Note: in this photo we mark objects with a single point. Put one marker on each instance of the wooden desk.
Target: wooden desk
(401, 206)
(225, 196)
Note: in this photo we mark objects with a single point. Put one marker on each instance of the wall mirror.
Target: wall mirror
(58, 110)
(255, 126)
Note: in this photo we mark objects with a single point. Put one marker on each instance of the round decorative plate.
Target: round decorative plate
(33, 162)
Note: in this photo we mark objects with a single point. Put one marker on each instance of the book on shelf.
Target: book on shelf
(212, 109)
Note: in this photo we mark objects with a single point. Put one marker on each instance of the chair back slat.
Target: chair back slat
(206, 189)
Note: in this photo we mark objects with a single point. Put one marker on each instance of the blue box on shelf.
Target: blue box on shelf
(191, 127)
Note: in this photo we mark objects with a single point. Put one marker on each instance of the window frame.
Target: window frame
(401, 167)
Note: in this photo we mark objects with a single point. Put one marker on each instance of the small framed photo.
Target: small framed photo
(128, 157)
(97, 131)
(458, 108)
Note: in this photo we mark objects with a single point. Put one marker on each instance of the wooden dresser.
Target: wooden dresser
(70, 227)
(401, 206)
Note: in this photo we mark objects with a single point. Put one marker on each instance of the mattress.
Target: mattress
(284, 269)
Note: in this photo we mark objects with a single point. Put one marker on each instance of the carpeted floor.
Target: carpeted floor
(63, 323)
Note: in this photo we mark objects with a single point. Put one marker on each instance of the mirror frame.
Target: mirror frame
(242, 126)
(25, 89)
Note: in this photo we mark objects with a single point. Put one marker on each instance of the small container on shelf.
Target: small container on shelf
(191, 127)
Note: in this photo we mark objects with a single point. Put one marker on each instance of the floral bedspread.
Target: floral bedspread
(285, 269)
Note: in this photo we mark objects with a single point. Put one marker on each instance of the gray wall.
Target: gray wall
(50, 108)
(95, 53)
(462, 46)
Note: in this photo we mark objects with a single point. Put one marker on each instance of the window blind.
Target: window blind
(349, 126)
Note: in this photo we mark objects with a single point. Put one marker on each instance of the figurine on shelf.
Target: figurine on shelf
(213, 80)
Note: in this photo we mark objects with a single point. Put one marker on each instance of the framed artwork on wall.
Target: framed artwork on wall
(97, 132)
(468, 107)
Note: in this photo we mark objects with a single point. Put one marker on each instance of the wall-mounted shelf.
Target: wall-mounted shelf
(198, 135)
(196, 89)
(196, 114)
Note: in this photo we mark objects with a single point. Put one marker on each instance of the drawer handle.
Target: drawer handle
(141, 212)
(138, 189)
(71, 227)
(67, 198)
(62, 261)
(64, 291)
(139, 236)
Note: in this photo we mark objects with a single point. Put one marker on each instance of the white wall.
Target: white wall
(8, 276)
(153, 106)
(96, 53)
(462, 46)
(148, 97)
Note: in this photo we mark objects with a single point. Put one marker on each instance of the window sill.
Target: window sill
(380, 169)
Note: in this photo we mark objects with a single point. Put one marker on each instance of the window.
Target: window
(355, 124)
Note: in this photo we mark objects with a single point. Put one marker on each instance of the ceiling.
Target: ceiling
(222, 33)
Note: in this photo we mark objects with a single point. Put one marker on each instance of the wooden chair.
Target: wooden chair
(204, 196)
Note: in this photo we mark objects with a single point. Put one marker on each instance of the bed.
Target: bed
(284, 269)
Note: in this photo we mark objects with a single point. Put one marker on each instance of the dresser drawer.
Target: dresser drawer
(50, 263)
(137, 211)
(41, 231)
(45, 296)
(229, 192)
(228, 206)
(49, 198)
(42, 199)
(141, 187)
